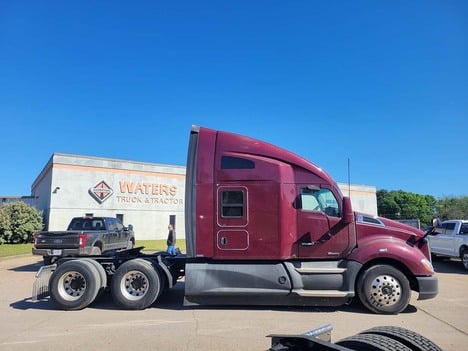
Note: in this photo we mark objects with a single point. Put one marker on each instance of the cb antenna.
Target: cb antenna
(349, 177)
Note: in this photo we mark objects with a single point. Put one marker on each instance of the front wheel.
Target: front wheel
(464, 258)
(136, 285)
(383, 289)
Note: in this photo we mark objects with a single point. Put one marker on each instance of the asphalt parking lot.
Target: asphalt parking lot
(168, 325)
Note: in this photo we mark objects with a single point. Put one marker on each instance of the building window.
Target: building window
(120, 217)
(172, 220)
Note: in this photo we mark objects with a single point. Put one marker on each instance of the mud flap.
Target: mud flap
(41, 284)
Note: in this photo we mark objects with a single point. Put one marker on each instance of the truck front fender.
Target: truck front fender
(386, 247)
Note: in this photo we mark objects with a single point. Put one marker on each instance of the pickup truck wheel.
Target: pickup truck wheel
(48, 260)
(372, 342)
(409, 338)
(135, 285)
(464, 258)
(74, 285)
(383, 289)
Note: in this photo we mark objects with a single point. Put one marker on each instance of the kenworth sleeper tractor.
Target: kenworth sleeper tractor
(263, 227)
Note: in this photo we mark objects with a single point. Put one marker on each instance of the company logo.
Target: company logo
(101, 192)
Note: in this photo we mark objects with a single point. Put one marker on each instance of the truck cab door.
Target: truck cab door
(122, 235)
(321, 232)
(113, 234)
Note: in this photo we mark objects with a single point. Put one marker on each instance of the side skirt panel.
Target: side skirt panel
(329, 283)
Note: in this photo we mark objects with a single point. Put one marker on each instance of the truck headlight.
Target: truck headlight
(428, 265)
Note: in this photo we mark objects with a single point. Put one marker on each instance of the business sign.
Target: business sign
(144, 193)
(101, 191)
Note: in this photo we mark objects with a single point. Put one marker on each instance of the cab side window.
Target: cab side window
(320, 200)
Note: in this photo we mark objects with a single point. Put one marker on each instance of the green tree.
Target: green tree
(18, 222)
(398, 204)
(452, 208)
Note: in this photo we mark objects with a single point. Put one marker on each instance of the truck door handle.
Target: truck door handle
(223, 240)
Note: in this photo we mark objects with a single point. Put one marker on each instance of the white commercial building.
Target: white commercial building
(148, 196)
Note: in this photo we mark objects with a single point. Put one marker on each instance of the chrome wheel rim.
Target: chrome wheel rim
(134, 285)
(385, 290)
(72, 285)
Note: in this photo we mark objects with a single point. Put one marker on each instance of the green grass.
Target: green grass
(7, 250)
(158, 245)
(15, 249)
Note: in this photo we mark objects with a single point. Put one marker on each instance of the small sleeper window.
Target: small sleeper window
(229, 162)
(232, 204)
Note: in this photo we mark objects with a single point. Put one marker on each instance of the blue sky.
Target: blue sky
(382, 83)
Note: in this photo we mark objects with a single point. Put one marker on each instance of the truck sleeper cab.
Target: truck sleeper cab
(269, 227)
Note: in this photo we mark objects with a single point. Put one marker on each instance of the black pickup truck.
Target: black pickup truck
(84, 236)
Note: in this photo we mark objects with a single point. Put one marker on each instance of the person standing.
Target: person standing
(171, 240)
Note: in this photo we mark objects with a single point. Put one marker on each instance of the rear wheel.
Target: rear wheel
(74, 285)
(102, 274)
(383, 289)
(136, 285)
(411, 339)
(372, 342)
(464, 258)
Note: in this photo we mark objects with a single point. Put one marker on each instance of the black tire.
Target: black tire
(383, 289)
(102, 274)
(74, 285)
(411, 339)
(48, 260)
(136, 285)
(372, 342)
(464, 258)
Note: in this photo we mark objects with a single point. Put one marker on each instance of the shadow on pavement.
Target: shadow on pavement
(173, 299)
(447, 265)
(28, 304)
(32, 267)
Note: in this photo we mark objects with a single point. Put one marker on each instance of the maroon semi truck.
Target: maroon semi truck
(263, 227)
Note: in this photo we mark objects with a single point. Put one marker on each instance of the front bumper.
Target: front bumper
(428, 287)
